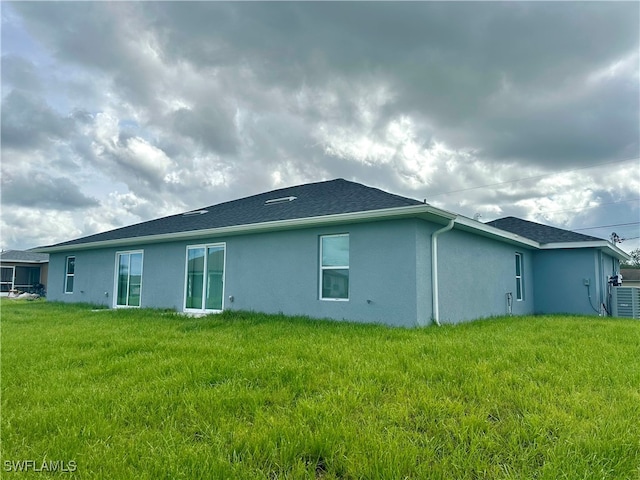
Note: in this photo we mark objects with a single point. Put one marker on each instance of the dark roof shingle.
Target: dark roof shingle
(539, 232)
(23, 256)
(312, 200)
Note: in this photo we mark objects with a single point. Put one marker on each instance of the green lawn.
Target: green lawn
(145, 394)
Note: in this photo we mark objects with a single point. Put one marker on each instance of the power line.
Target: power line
(607, 226)
(533, 177)
(593, 206)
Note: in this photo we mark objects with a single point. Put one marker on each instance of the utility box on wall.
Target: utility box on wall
(625, 302)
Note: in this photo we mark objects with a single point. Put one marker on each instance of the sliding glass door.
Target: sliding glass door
(204, 286)
(129, 279)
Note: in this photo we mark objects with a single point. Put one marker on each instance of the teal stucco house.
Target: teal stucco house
(341, 250)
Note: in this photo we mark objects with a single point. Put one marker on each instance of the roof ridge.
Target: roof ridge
(260, 194)
(408, 200)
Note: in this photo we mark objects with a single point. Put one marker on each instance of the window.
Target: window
(334, 267)
(128, 279)
(204, 285)
(519, 278)
(69, 274)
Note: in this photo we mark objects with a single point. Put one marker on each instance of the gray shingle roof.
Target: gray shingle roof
(312, 200)
(539, 232)
(23, 256)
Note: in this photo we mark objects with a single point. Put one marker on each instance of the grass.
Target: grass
(149, 395)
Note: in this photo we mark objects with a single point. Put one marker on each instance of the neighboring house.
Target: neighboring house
(25, 271)
(341, 250)
(630, 277)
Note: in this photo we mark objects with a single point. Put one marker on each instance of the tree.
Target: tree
(634, 262)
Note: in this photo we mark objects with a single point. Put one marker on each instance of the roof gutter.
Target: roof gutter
(434, 269)
(602, 245)
(34, 262)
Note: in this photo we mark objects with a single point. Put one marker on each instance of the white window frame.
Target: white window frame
(520, 277)
(117, 275)
(67, 274)
(204, 284)
(13, 278)
(332, 267)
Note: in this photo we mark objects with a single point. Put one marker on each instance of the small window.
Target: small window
(128, 279)
(69, 274)
(334, 267)
(519, 278)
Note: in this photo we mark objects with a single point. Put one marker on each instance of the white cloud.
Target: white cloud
(160, 107)
(22, 226)
(624, 67)
(123, 156)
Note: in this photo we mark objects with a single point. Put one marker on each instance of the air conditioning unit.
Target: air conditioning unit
(625, 302)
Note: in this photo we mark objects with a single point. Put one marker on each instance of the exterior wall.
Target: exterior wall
(272, 272)
(609, 266)
(93, 279)
(389, 275)
(423, 285)
(55, 274)
(163, 275)
(560, 280)
(279, 272)
(475, 275)
(44, 274)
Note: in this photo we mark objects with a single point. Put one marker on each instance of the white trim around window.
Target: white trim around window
(127, 282)
(69, 273)
(7, 279)
(519, 277)
(334, 267)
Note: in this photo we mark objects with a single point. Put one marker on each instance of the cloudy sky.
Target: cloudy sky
(116, 113)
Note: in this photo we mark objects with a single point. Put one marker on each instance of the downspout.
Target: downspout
(434, 269)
